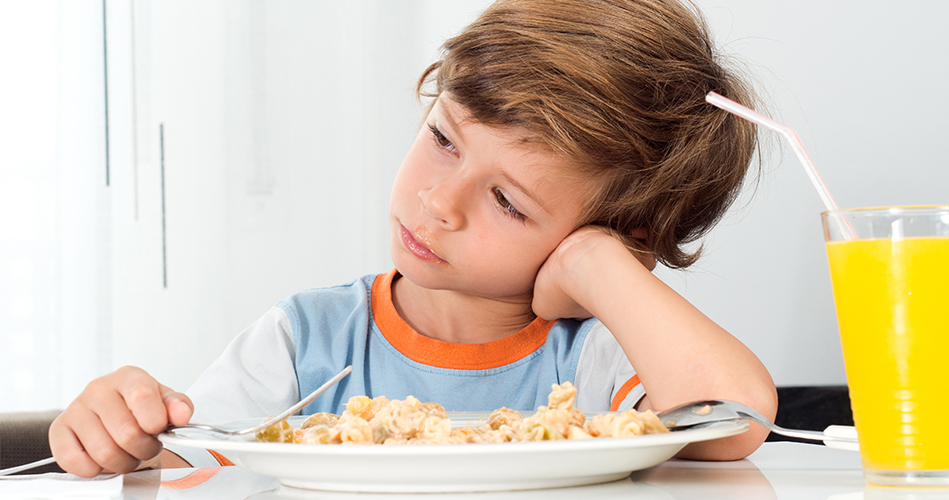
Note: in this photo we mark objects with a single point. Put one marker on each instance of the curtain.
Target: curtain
(54, 208)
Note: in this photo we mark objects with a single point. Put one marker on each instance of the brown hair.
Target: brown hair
(617, 86)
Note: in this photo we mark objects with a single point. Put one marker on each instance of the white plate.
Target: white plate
(449, 468)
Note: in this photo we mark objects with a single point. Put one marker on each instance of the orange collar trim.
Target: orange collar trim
(441, 354)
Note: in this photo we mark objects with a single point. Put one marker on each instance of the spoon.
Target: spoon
(267, 423)
(716, 410)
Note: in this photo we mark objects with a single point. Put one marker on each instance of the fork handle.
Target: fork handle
(799, 434)
(843, 437)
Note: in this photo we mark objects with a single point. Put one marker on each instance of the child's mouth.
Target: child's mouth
(419, 249)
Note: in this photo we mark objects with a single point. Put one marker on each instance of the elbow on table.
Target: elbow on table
(726, 449)
(741, 445)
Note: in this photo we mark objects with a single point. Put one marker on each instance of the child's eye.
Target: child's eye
(441, 140)
(506, 205)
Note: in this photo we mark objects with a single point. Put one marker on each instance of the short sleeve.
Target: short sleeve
(254, 377)
(605, 379)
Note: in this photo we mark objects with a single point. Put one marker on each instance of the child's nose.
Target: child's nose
(443, 202)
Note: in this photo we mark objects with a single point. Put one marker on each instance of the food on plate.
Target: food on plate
(383, 421)
(321, 418)
(281, 432)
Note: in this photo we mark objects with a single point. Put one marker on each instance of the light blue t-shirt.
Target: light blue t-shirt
(356, 325)
(310, 336)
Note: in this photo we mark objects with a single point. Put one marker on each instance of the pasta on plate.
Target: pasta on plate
(383, 421)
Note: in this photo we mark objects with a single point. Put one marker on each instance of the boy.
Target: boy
(567, 149)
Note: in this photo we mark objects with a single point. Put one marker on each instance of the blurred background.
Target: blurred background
(171, 169)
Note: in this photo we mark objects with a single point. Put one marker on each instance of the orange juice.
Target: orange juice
(892, 298)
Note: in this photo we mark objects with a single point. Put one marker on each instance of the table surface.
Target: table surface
(778, 470)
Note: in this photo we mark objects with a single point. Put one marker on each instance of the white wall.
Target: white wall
(55, 269)
(285, 121)
(863, 84)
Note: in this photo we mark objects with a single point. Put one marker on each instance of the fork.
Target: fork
(715, 410)
(270, 421)
(267, 423)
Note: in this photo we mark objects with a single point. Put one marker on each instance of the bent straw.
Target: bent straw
(796, 144)
(751, 115)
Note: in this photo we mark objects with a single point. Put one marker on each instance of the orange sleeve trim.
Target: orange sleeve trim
(196, 478)
(221, 459)
(440, 354)
(623, 392)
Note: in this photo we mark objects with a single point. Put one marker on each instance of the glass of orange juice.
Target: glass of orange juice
(890, 273)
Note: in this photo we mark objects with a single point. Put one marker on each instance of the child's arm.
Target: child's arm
(679, 354)
(112, 425)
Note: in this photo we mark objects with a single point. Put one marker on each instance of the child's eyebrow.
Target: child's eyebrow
(448, 121)
(527, 192)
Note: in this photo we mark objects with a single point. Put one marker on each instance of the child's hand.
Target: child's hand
(679, 354)
(112, 425)
(559, 289)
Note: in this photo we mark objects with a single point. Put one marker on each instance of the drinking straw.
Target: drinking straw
(751, 115)
(796, 144)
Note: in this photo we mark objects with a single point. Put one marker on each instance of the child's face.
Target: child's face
(475, 210)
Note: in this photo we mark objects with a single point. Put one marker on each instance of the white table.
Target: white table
(776, 471)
